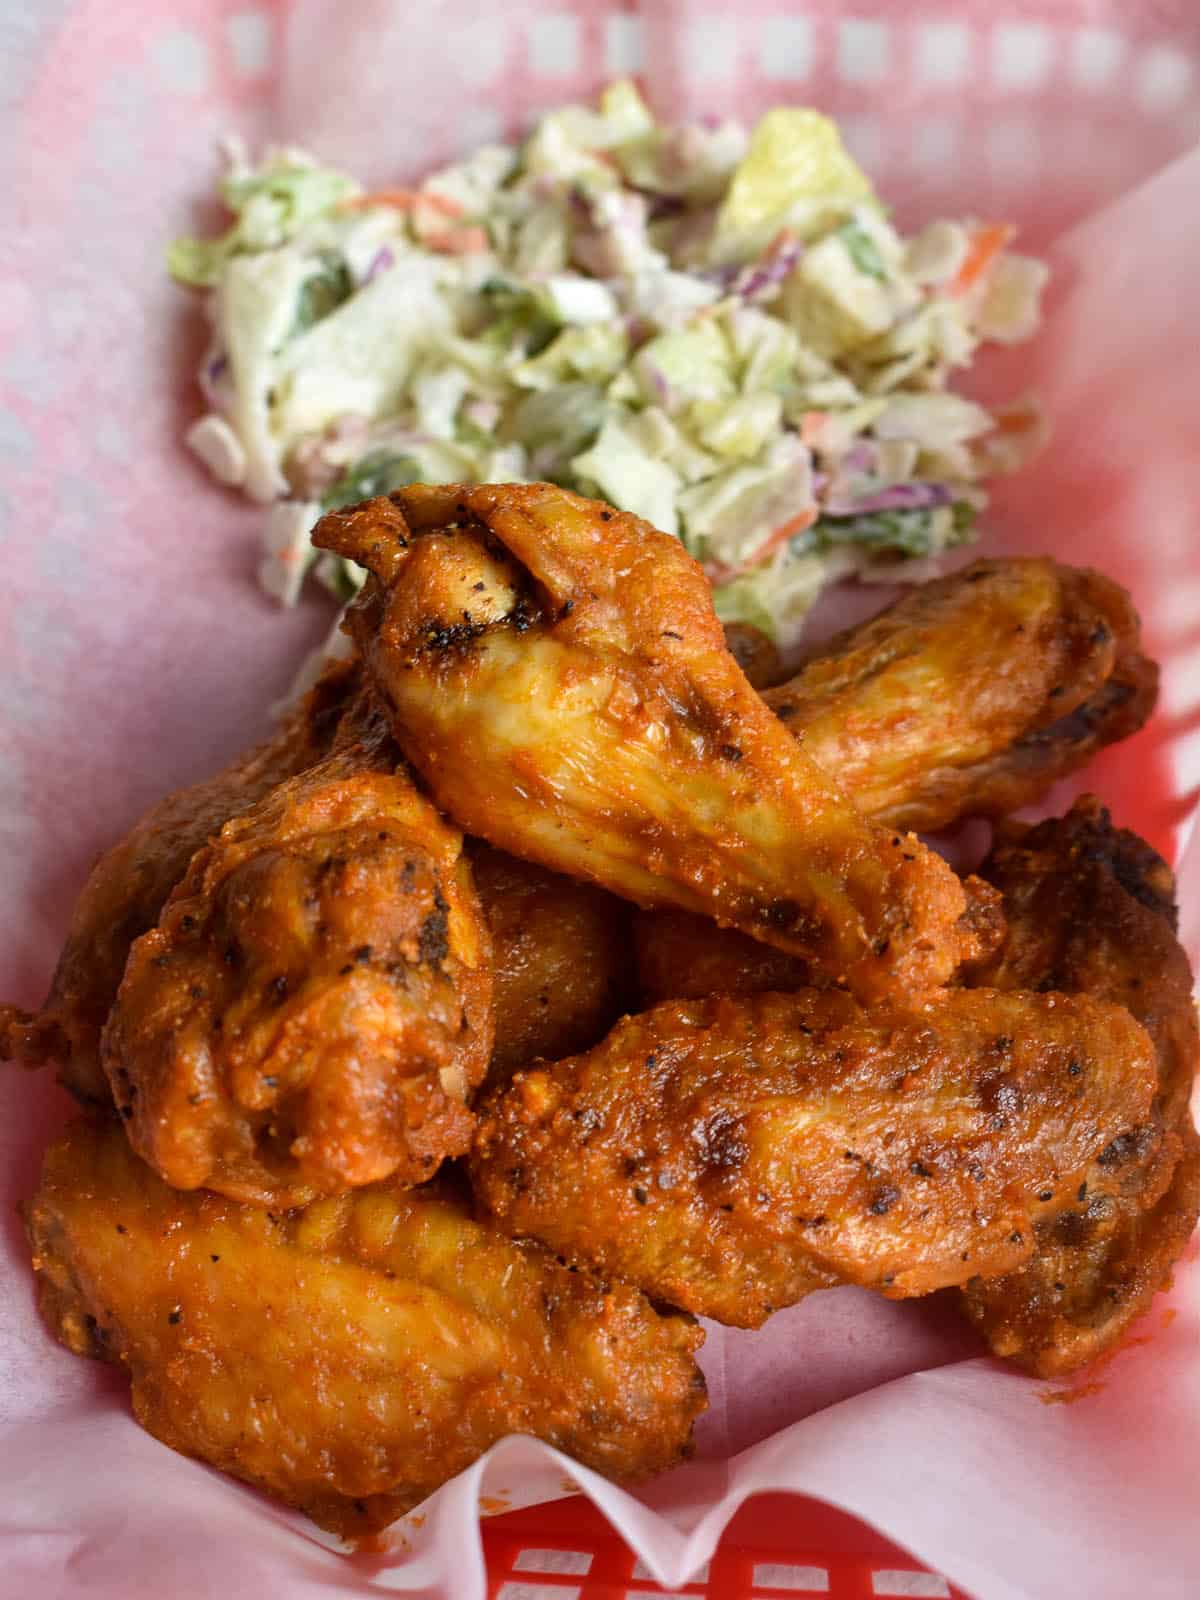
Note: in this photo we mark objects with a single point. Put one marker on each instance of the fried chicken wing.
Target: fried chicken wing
(127, 888)
(562, 962)
(729, 1156)
(314, 1005)
(1091, 910)
(972, 694)
(968, 697)
(352, 1357)
(559, 679)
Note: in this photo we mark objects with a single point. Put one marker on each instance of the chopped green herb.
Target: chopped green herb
(863, 250)
(520, 317)
(378, 472)
(323, 292)
(917, 532)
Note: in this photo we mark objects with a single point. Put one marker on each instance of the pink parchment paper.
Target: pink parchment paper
(136, 654)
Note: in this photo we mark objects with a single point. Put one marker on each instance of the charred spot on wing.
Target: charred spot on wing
(787, 916)
(433, 940)
(1072, 1229)
(1135, 1145)
(700, 717)
(445, 638)
(1079, 725)
(721, 1141)
(1001, 1097)
(525, 613)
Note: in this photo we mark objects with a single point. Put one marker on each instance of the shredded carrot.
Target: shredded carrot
(398, 199)
(718, 573)
(811, 424)
(457, 241)
(782, 534)
(986, 244)
(442, 203)
(404, 200)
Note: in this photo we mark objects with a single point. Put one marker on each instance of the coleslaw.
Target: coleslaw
(720, 332)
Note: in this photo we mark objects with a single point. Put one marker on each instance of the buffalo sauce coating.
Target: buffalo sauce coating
(351, 1357)
(729, 1155)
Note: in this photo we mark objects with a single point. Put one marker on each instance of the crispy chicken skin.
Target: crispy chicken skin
(129, 885)
(972, 694)
(314, 1005)
(729, 1156)
(351, 1357)
(1091, 910)
(559, 679)
(562, 961)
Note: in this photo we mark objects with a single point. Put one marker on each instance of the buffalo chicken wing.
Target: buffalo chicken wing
(559, 679)
(315, 1004)
(972, 694)
(1091, 910)
(729, 1156)
(351, 1357)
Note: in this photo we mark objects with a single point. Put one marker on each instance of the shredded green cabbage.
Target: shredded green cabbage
(722, 333)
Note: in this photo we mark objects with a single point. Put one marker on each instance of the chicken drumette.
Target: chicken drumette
(562, 959)
(558, 677)
(314, 1006)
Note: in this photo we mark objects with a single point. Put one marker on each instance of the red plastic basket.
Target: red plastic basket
(777, 1547)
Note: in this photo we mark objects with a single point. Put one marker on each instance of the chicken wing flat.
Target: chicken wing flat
(972, 694)
(314, 1005)
(1091, 910)
(128, 886)
(352, 1357)
(562, 962)
(559, 679)
(729, 1156)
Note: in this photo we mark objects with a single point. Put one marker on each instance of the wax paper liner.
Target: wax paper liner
(138, 655)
